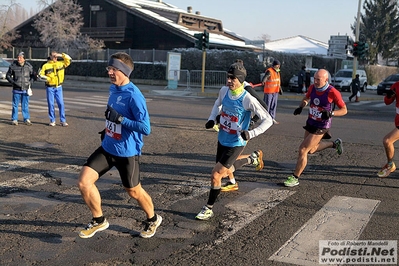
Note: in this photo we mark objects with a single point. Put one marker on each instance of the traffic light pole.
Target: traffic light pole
(203, 71)
(202, 43)
(356, 39)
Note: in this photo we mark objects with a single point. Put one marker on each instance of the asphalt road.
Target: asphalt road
(263, 223)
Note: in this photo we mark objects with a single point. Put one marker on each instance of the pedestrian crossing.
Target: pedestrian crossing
(350, 213)
(71, 103)
(373, 104)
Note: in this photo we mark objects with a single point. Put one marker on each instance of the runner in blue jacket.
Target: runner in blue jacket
(126, 121)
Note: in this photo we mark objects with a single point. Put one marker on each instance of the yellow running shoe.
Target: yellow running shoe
(258, 159)
(386, 170)
(92, 228)
(229, 187)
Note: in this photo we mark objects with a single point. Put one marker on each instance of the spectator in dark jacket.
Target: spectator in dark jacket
(301, 80)
(20, 75)
(307, 79)
(355, 88)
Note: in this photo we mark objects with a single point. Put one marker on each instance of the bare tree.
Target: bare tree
(59, 25)
(8, 20)
(265, 37)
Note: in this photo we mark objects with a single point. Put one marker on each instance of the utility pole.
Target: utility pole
(356, 39)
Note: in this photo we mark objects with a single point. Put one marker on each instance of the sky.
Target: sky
(316, 19)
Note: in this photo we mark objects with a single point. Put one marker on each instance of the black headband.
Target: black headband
(125, 69)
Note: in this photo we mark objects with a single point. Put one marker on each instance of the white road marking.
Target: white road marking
(14, 164)
(340, 218)
(360, 103)
(249, 207)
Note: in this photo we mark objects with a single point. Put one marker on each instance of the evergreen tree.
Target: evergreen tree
(379, 27)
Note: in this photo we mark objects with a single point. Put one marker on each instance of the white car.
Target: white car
(4, 66)
(343, 78)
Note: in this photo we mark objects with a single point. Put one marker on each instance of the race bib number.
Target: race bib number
(315, 112)
(229, 123)
(113, 130)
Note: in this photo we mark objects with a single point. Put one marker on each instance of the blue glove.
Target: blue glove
(112, 115)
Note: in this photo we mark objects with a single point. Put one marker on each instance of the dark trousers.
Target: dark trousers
(354, 93)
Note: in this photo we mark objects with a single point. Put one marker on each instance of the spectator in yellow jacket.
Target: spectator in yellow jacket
(53, 72)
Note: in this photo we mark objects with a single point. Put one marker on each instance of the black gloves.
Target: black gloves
(102, 134)
(209, 124)
(298, 110)
(390, 93)
(245, 134)
(280, 92)
(326, 114)
(112, 115)
(218, 119)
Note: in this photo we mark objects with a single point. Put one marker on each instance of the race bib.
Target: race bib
(113, 130)
(315, 112)
(229, 123)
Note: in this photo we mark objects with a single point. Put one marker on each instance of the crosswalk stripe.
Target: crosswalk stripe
(14, 164)
(85, 100)
(379, 105)
(250, 206)
(79, 105)
(360, 103)
(340, 218)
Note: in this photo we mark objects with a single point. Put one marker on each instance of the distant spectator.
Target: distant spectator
(20, 75)
(307, 79)
(301, 80)
(272, 88)
(54, 72)
(355, 88)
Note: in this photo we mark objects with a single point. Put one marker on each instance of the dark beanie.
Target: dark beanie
(238, 71)
(276, 62)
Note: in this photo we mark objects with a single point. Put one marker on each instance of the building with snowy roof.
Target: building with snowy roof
(143, 24)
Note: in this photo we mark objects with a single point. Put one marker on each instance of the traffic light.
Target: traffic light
(355, 49)
(205, 40)
(360, 50)
(363, 48)
(199, 40)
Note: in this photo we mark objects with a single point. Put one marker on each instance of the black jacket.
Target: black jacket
(20, 76)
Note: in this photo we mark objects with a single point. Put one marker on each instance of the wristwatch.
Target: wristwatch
(332, 113)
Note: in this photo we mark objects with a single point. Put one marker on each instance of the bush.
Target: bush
(376, 74)
(220, 60)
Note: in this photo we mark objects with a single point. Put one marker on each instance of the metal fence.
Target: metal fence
(192, 79)
(185, 78)
(89, 55)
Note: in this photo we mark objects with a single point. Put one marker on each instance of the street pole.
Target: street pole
(356, 39)
(203, 71)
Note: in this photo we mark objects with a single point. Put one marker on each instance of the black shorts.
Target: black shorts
(128, 167)
(228, 155)
(318, 131)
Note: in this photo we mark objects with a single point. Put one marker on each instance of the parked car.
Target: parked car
(343, 78)
(387, 83)
(293, 83)
(4, 65)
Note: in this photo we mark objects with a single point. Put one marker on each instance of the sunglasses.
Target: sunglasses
(231, 77)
